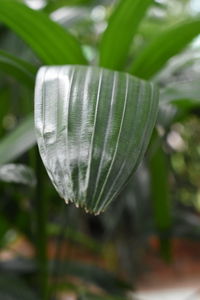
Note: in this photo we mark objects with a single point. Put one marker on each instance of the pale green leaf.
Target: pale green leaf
(17, 173)
(93, 126)
(164, 46)
(120, 32)
(18, 141)
(52, 43)
(184, 94)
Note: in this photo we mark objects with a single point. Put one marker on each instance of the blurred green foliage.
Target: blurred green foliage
(119, 238)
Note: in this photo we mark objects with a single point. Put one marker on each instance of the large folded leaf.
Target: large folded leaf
(18, 141)
(93, 126)
(51, 43)
(17, 68)
(165, 45)
(119, 34)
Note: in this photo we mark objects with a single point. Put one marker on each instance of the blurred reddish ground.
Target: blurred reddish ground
(183, 270)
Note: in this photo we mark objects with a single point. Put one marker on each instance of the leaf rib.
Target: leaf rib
(117, 143)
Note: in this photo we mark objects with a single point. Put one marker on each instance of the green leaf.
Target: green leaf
(183, 94)
(55, 4)
(18, 141)
(93, 126)
(17, 68)
(165, 45)
(52, 43)
(160, 192)
(17, 173)
(120, 32)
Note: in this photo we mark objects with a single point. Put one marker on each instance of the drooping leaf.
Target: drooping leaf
(183, 94)
(17, 68)
(18, 141)
(52, 43)
(93, 127)
(120, 32)
(17, 173)
(177, 101)
(164, 46)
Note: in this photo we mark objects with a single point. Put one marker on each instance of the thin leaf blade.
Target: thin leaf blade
(17, 68)
(18, 141)
(52, 43)
(164, 46)
(120, 32)
(17, 173)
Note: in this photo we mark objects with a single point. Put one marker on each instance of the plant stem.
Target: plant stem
(57, 263)
(41, 214)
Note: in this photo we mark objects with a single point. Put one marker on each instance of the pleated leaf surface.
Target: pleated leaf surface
(93, 126)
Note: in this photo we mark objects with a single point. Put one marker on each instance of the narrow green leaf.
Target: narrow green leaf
(160, 193)
(52, 43)
(17, 68)
(120, 32)
(165, 45)
(18, 141)
(93, 126)
(55, 4)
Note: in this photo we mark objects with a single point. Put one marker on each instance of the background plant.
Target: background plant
(145, 40)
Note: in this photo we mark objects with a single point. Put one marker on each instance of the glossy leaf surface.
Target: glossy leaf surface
(165, 45)
(120, 32)
(93, 126)
(52, 43)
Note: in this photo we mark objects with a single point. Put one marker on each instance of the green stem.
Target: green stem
(41, 214)
(57, 264)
